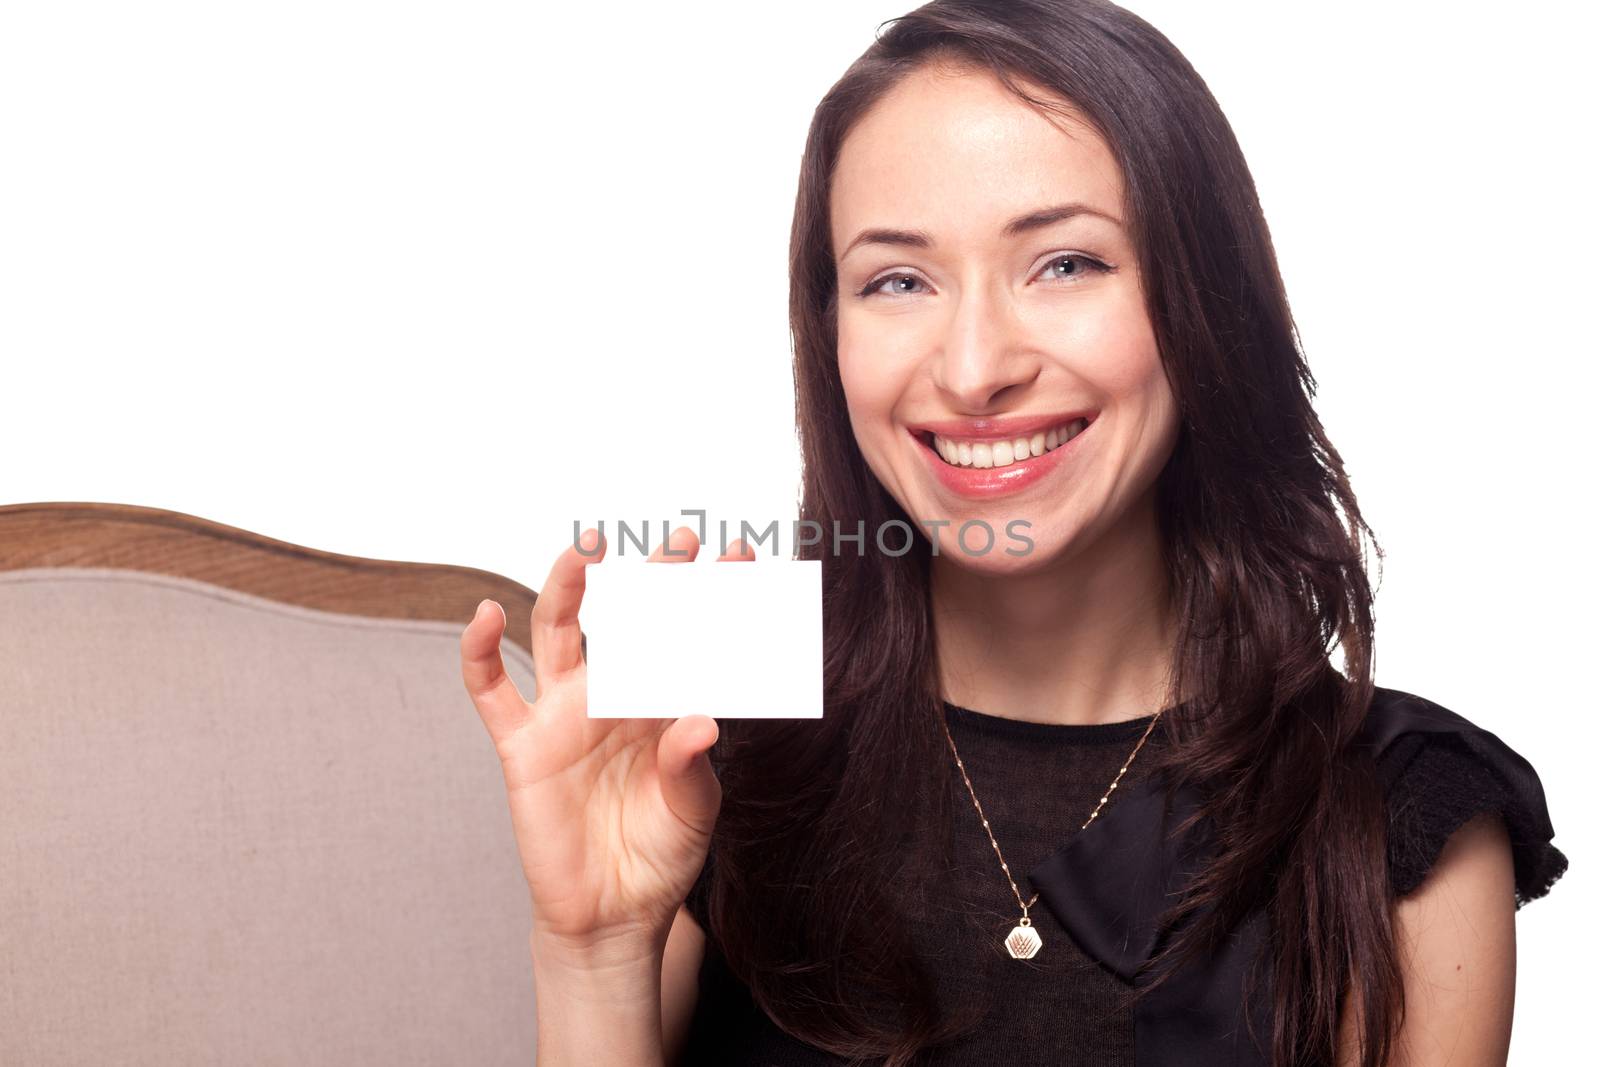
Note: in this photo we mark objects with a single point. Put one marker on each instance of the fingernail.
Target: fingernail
(476, 615)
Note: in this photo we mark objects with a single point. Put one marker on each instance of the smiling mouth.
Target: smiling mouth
(981, 454)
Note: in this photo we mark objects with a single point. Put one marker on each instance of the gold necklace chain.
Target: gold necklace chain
(1024, 942)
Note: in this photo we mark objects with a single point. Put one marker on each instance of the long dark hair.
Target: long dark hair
(1265, 556)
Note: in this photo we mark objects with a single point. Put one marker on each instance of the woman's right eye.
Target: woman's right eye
(877, 284)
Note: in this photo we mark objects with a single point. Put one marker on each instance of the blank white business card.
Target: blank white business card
(734, 640)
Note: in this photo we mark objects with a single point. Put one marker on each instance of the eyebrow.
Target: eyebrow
(1033, 220)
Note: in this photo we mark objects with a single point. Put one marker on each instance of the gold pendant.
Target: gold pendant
(1023, 942)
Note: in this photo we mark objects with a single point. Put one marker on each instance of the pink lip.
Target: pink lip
(991, 482)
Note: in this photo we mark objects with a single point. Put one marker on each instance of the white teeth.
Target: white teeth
(984, 454)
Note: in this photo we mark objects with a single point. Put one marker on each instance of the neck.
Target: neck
(1087, 639)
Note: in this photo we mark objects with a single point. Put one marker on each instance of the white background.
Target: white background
(429, 281)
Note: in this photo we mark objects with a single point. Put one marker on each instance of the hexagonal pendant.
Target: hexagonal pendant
(1023, 943)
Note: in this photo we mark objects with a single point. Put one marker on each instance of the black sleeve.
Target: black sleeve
(1436, 782)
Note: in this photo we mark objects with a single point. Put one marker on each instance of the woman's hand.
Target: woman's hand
(613, 817)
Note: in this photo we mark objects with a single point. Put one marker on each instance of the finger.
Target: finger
(557, 643)
(483, 671)
(738, 551)
(688, 783)
(685, 547)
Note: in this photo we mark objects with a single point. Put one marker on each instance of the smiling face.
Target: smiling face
(989, 309)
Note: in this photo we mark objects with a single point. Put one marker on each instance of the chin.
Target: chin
(1038, 551)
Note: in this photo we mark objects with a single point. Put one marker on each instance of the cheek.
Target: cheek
(875, 373)
(1117, 351)
(1124, 362)
(866, 401)
(873, 380)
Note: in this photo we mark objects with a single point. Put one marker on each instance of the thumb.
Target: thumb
(688, 783)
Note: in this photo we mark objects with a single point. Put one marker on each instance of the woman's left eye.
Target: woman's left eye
(1080, 265)
(1066, 268)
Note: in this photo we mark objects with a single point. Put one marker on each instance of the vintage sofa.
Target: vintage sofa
(248, 814)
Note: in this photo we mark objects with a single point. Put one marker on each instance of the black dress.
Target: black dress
(1099, 894)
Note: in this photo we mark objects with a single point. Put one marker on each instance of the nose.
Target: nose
(984, 360)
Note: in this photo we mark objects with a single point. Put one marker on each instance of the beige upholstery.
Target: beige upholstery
(238, 832)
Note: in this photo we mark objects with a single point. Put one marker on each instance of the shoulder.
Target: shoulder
(1440, 771)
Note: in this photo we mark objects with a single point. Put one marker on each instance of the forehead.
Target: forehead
(953, 151)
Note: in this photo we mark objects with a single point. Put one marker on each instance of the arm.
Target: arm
(680, 983)
(1456, 938)
(612, 820)
(599, 1004)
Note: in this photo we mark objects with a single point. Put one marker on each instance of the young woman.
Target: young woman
(1095, 794)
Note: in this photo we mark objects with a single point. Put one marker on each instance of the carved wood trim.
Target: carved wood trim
(128, 536)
